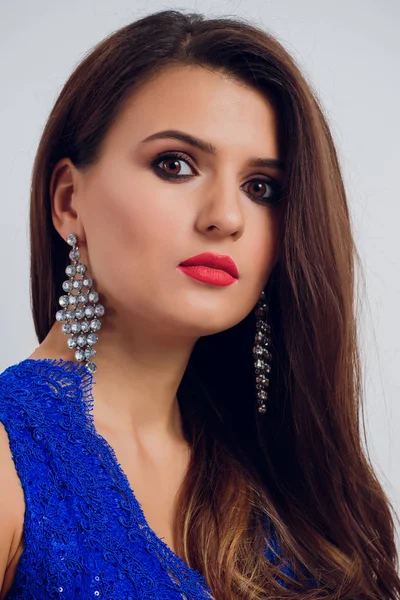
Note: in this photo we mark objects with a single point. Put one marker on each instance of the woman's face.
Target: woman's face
(139, 223)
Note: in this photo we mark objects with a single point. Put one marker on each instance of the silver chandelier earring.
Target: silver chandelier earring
(80, 313)
(261, 353)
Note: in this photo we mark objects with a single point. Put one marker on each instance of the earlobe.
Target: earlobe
(63, 199)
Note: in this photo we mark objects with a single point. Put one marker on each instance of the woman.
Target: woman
(188, 426)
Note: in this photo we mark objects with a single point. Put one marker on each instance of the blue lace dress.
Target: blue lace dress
(85, 533)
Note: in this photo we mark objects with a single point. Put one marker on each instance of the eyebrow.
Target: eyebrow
(254, 161)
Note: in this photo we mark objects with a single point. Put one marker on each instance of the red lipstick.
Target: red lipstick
(209, 267)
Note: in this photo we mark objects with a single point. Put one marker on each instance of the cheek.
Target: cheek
(132, 232)
(127, 214)
(263, 244)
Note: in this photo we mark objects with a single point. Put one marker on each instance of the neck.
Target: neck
(138, 375)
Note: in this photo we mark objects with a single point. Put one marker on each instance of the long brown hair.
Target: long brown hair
(301, 469)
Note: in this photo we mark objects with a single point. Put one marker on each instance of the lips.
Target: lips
(213, 260)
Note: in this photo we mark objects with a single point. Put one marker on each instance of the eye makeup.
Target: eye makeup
(177, 156)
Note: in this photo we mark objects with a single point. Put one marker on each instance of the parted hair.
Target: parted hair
(301, 473)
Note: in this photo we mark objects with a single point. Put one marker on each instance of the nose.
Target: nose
(221, 210)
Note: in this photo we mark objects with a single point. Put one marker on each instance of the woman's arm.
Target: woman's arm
(12, 509)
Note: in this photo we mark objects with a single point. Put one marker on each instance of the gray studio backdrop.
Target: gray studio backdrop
(349, 49)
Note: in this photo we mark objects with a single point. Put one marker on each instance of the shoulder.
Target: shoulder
(14, 388)
(31, 381)
(18, 373)
(43, 403)
(17, 382)
(34, 397)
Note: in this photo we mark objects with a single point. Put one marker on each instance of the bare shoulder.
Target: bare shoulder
(12, 510)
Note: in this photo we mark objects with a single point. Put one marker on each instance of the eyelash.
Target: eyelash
(162, 156)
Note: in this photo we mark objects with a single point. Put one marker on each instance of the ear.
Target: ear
(64, 200)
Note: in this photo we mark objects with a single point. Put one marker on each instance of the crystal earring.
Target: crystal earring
(81, 320)
(261, 354)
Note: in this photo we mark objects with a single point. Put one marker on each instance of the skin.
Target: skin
(134, 228)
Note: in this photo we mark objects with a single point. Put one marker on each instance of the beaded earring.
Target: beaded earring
(80, 316)
(261, 353)
(80, 313)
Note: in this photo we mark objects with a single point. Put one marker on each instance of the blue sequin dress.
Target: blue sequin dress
(85, 533)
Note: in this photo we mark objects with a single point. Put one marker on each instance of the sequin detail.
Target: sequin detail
(85, 533)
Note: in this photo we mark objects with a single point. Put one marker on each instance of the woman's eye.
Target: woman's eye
(264, 190)
(170, 165)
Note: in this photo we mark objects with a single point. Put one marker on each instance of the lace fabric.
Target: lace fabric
(85, 533)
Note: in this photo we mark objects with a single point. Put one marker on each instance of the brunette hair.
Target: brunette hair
(301, 469)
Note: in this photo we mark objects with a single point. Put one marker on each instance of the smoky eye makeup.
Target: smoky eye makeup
(174, 156)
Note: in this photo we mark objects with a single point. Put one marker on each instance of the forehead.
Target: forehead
(205, 103)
